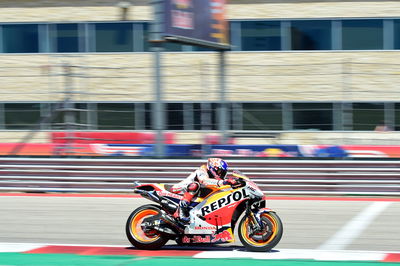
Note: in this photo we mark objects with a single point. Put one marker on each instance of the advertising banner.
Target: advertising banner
(197, 150)
(196, 22)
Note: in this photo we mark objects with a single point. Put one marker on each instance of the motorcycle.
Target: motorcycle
(214, 215)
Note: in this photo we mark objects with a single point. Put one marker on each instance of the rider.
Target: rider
(210, 175)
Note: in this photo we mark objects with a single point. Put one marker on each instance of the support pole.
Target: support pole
(158, 114)
(223, 112)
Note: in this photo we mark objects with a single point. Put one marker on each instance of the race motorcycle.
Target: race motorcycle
(214, 215)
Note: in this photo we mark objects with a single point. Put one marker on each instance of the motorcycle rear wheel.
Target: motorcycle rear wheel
(137, 233)
(265, 239)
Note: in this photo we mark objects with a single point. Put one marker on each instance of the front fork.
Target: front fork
(258, 231)
(254, 216)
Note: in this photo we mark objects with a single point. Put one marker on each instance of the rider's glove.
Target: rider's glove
(233, 182)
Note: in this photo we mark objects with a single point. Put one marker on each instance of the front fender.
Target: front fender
(262, 211)
(265, 210)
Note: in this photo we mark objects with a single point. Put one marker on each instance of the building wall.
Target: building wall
(307, 76)
(105, 10)
(254, 76)
(312, 9)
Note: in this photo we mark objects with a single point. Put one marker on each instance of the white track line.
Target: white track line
(23, 247)
(19, 247)
(354, 227)
(299, 254)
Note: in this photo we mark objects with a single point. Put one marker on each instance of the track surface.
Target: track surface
(338, 224)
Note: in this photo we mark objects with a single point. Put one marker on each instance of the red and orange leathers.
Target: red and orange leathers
(200, 177)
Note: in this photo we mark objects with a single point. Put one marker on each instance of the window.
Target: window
(82, 115)
(257, 35)
(173, 46)
(64, 38)
(311, 35)
(367, 115)
(261, 35)
(59, 113)
(116, 116)
(362, 34)
(205, 116)
(148, 115)
(175, 116)
(114, 37)
(317, 116)
(396, 34)
(200, 48)
(22, 115)
(198, 115)
(262, 116)
(397, 117)
(143, 116)
(20, 38)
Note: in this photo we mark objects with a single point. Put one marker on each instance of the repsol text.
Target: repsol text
(222, 202)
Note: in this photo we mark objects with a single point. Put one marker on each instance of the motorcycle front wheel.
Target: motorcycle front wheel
(261, 240)
(140, 236)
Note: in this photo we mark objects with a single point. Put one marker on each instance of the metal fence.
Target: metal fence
(281, 177)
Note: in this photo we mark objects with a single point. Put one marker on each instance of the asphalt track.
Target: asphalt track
(314, 229)
(347, 224)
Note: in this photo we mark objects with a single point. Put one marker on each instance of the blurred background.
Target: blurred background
(303, 79)
(311, 95)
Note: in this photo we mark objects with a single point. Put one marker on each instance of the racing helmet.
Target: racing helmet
(217, 168)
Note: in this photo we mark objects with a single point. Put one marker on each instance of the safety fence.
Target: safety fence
(105, 92)
(283, 177)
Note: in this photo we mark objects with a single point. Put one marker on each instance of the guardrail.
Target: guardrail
(273, 176)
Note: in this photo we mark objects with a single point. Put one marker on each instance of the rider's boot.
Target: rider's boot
(182, 213)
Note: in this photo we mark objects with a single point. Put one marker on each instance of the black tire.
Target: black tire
(271, 235)
(135, 233)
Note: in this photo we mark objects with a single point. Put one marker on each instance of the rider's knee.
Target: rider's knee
(193, 188)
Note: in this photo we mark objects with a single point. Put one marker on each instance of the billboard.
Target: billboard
(196, 22)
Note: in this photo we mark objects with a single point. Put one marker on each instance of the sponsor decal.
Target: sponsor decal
(225, 201)
(205, 227)
(169, 194)
(120, 150)
(182, 15)
(196, 239)
(182, 19)
(224, 236)
(221, 25)
(252, 186)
